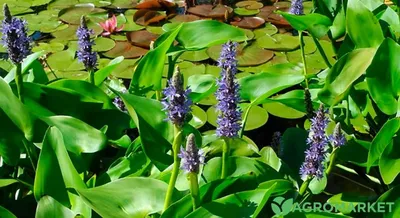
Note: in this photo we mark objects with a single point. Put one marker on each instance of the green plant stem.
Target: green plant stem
(91, 77)
(303, 57)
(194, 190)
(30, 152)
(225, 157)
(303, 188)
(332, 42)
(175, 168)
(51, 70)
(20, 83)
(171, 64)
(246, 115)
(332, 161)
(322, 52)
(348, 111)
(158, 95)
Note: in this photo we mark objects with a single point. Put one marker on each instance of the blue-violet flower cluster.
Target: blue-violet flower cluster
(315, 155)
(296, 7)
(15, 37)
(85, 53)
(229, 117)
(337, 139)
(192, 157)
(176, 102)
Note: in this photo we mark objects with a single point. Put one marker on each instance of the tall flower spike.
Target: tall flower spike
(176, 102)
(229, 117)
(337, 139)
(15, 37)
(85, 53)
(296, 7)
(313, 165)
(192, 157)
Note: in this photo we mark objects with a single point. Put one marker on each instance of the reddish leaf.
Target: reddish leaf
(249, 22)
(184, 18)
(141, 38)
(145, 17)
(155, 4)
(126, 49)
(201, 10)
(268, 14)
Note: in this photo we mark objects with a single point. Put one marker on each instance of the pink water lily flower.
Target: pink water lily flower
(110, 26)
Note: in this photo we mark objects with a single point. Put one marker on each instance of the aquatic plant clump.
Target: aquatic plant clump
(313, 165)
(15, 37)
(229, 117)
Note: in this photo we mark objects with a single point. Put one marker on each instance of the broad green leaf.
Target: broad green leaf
(201, 86)
(201, 34)
(127, 197)
(317, 186)
(79, 137)
(338, 28)
(383, 76)
(381, 140)
(50, 207)
(15, 110)
(361, 148)
(294, 146)
(4, 213)
(344, 72)
(316, 24)
(346, 201)
(10, 140)
(239, 166)
(241, 204)
(37, 74)
(26, 65)
(359, 21)
(389, 197)
(104, 72)
(256, 88)
(281, 185)
(132, 165)
(315, 215)
(199, 117)
(55, 173)
(389, 162)
(269, 157)
(7, 182)
(149, 72)
(155, 132)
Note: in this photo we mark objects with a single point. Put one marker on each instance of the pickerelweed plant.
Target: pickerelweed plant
(85, 53)
(15, 39)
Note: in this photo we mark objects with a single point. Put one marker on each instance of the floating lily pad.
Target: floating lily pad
(314, 61)
(141, 38)
(130, 25)
(69, 33)
(248, 56)
(18, 6)
(199, 117)
(268, 29)
(246, 12)
(279, 42)
(145, 17)
(180, 18)
(61, 4)
(309, 45)
(220, 12)
(123, 4)
(126, 49)
(188, 72)
(48, 47)
(249, 33)
(76, 75)
(73, 15)
(125, 69)
(249, 22)
(200, 55)
(249, 4)
(64, 61)
(258, 116)
(155, 29)
(97, 3)
(268, 14)
(155, 4)
(118, 37)
(103, 44)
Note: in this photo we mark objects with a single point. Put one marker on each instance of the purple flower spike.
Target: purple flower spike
(337, 139)
(313, 165)
(229, 118)
(297, 7)
(176, 102)
(85, 53)
(15, 37)
(192, 157)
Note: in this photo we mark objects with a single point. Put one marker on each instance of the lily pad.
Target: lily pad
(258, 116)
(248, 56)
(246, 12)
(123, 4)
(64, 61)
(249, 4)
(125, 69)
(48, 47)
(103, 44)
(69, 33)
(61, 4)
(249, 22)
(268, 29)
(199, 117)
(279, 42)
(180, 18)
(126, 49)
(220, 12)
(155, 29)
(130, 25)
(73, 15)
(145, 17)
(200, 55)
(141, 38)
